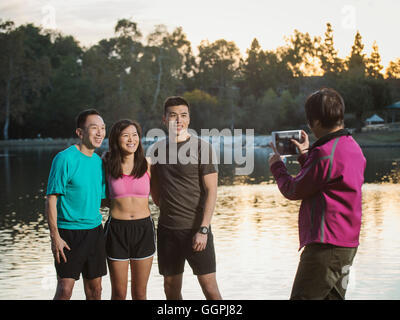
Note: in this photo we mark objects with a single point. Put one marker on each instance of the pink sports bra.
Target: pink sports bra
(128, 186)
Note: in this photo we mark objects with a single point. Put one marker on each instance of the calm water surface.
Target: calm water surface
(255, 229)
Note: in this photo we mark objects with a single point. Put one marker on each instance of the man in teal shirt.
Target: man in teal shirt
(75, 189)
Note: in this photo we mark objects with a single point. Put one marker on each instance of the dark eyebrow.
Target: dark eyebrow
(173, 113)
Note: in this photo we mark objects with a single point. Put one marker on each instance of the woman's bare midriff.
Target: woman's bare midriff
(130, 208)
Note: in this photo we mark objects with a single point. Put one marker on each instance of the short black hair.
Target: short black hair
(82, 116)
(327, 106)
(175, 101)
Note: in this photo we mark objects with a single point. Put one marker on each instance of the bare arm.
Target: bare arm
(106, 202)
(57, 244)
(210, 183)
(154, 187)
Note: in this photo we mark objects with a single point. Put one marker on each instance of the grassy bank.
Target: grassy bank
(378, 138)
(381, 138)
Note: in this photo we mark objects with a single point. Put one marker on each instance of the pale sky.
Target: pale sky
(240, 21)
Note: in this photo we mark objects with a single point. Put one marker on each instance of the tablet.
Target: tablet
(282, 143)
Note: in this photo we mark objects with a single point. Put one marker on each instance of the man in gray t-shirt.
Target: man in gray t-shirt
(184, 186)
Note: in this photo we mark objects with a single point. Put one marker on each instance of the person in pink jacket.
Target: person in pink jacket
(329, 185)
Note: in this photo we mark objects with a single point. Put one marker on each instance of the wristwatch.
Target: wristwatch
(204, 230)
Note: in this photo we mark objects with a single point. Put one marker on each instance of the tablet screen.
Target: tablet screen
(282, 143)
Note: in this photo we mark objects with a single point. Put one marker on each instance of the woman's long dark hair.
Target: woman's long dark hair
(114, 156)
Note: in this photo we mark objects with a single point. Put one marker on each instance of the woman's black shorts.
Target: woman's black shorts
(130, 239)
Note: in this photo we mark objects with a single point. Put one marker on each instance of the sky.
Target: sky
(240, 21)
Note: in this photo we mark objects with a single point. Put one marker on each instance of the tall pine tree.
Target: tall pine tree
(253, 68)
(393, 70)
(330, 62)
(374, 66)
(356, 62)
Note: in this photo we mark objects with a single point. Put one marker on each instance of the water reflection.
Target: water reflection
(255, 229)
(377, 271)
(255, 235)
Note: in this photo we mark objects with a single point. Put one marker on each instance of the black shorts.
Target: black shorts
(87, 254)
(130, 239)
(175, 246)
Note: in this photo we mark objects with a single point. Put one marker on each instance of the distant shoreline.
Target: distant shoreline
(59, 142)
(388, 139)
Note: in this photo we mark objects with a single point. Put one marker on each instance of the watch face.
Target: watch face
(203, 230)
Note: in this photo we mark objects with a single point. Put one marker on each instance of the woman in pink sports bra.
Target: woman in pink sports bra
(129, 230)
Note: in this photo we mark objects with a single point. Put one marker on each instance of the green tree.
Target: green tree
(100, 68)
(374, 66)
(253, 69)
(69, 94)
(330, 62)
(356, 62)
(63, 46)
(292, 111)
(129, 74)
(127, 29)
(24, 70)
(393, 70)
(178, 40)
(11, 44)
(218, 65)
(380, 93)
(114, 70)
(270, 115)
(168, 58)
(263, 114)
(204, 111)
(301, 54)
(262, 70)
(357, 96)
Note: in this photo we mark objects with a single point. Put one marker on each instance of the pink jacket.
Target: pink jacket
(329, 185)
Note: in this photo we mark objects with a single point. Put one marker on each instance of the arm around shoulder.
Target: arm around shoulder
(154, 186)
(148, 159)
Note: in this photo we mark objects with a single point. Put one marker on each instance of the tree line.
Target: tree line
(47, 77)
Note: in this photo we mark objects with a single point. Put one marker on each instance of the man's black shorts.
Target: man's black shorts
(130, 239)
(87, 254)
(175, 246)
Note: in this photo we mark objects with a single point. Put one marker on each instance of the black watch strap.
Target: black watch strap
(204, 230)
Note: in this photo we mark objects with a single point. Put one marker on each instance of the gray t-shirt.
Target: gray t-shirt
(179, 168)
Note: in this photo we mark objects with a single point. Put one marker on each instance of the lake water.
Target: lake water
(255, 230)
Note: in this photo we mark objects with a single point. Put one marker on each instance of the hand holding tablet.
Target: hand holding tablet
(302, 145)
(282, 141)
(287, 143)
